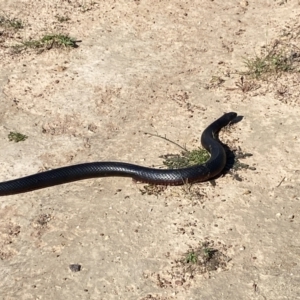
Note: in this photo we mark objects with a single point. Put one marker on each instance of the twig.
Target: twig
(166, 139)
(278, 185)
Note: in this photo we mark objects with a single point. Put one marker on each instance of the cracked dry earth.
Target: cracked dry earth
(160, 67)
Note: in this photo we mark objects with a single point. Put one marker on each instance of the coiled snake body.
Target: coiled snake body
(197, 173)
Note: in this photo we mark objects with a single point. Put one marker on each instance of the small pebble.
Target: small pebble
(244, 3)
(178, 282)
(246, 192)
(75, 267)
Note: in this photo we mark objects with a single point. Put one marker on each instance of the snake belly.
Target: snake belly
(197, 173)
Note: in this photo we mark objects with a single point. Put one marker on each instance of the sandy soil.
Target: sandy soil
(148, 66)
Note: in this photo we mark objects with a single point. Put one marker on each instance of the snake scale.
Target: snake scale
(196, 173)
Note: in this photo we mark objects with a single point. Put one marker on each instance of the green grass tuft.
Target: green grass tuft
(186, 158)
(278, 59)
(48, 42)
(17, 137)
(11, 23)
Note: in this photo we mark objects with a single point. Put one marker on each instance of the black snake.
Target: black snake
(197, 173)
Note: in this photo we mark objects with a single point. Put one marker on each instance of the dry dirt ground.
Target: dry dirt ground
(161, 67)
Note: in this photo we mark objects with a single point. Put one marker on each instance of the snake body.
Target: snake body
(197, 173)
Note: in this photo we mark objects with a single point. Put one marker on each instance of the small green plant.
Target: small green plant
(276, 59)
(59, 40)
(62, 19)
(32, 44)
(10, 23)
(48, 42)
(186, 158)
(17, 137)
(191, 258)
(272, 63)
(201, 255)
(205, 258)
(208, 252)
